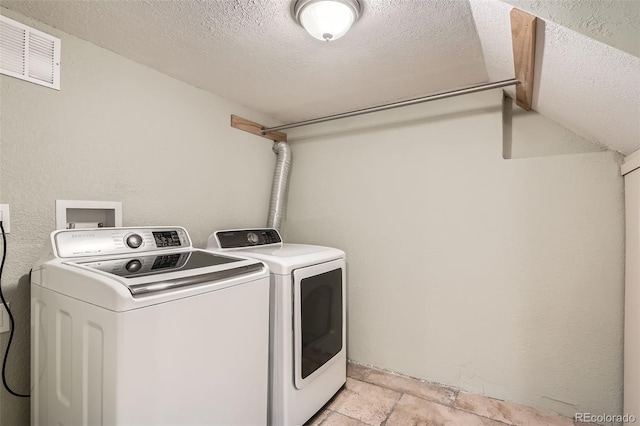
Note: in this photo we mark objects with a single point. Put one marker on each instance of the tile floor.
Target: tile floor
(374, 397)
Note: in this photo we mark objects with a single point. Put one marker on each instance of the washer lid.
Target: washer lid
(169, 270)
(139, 266)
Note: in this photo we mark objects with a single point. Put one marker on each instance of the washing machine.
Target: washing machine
(307, 365)
(133, 326)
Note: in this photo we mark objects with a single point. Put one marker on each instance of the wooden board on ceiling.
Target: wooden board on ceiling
(255, 128)
(523, 39)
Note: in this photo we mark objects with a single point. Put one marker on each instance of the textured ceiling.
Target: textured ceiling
(613, 22)
(252, 52)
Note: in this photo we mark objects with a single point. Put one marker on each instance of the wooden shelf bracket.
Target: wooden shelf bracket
(256, 129)
(523, 39)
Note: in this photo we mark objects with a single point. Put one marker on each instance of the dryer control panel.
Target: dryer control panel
(110, 241)
(239, 238)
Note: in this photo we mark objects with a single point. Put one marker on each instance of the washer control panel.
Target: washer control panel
(110, 241)
(238, 238)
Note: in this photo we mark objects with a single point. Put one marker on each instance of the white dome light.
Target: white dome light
(327, 20)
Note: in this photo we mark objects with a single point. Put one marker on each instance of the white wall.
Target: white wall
(529, 134)
(117, 131)
(500, 277)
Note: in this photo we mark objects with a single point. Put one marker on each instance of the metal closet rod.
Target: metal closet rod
(435, 97)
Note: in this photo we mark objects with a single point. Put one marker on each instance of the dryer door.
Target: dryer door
(319, 310)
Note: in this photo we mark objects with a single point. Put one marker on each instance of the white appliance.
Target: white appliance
(631, 171)
(133, 326)
(308, 311)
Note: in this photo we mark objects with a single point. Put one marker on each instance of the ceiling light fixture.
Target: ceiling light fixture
(327, 20)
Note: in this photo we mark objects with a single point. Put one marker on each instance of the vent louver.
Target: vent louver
(29, 54)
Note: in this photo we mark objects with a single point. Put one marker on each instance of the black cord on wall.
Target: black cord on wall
(11, 322)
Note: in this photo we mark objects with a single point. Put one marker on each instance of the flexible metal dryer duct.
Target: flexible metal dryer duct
(278, 204)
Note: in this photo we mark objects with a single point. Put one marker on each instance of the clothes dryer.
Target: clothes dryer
(307, 320)
(133, 326)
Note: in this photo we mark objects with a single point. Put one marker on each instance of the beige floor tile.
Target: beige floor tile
(507, 412)
(412, 411)
(357, 371)
(337, 419)
(317, 419)
(415, 387)
(365, 402)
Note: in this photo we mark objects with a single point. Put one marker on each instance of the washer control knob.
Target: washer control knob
(134, 241)
(252, 237)
(133, 265)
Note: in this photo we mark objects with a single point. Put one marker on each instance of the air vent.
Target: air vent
(29, 54)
